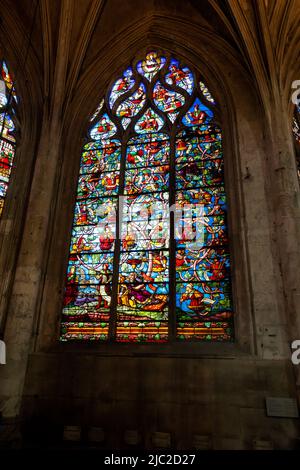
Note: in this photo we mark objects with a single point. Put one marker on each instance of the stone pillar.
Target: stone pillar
(29, 278)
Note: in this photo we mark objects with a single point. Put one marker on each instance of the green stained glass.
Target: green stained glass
(104, 129)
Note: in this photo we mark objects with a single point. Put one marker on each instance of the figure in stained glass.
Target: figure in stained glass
(149, 122)
(180, 76)
(167, 101)
(132, 105)
(296, 132)
(104, 129)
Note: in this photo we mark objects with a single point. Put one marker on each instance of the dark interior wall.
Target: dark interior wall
(221, 399)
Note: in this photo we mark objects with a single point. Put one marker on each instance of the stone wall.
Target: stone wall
(221, 400)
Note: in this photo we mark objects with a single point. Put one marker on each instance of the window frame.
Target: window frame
(48, 324)
(27, 123)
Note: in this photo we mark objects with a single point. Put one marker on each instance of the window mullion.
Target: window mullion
(117, 252)
(172, 247)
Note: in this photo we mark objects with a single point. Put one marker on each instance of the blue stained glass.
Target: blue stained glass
(198, 174)
(8, 81)
(210, 300)
(204, 133)
(145, 234)
(198, 114)
(7, 129)
(206, 92)
(148, 139)
(90, 238)
(98, 185)
(149, 157)
(132, 105)
(180, 76)
(212, 200)
(205, 230)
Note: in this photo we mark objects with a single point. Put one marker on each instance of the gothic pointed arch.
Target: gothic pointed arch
(296, 134)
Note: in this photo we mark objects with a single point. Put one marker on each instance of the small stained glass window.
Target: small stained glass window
(8, 101)
(149, 257)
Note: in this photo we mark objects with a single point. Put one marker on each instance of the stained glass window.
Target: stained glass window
(149, 259)
(8, 101)
(296, 132)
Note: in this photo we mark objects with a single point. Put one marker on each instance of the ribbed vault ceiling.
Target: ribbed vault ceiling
(263, 34)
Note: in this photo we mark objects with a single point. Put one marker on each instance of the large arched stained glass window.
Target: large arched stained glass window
(8, 101)
(296, 132)
(149, 258)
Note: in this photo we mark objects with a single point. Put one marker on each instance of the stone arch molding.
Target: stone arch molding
(29, 90)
